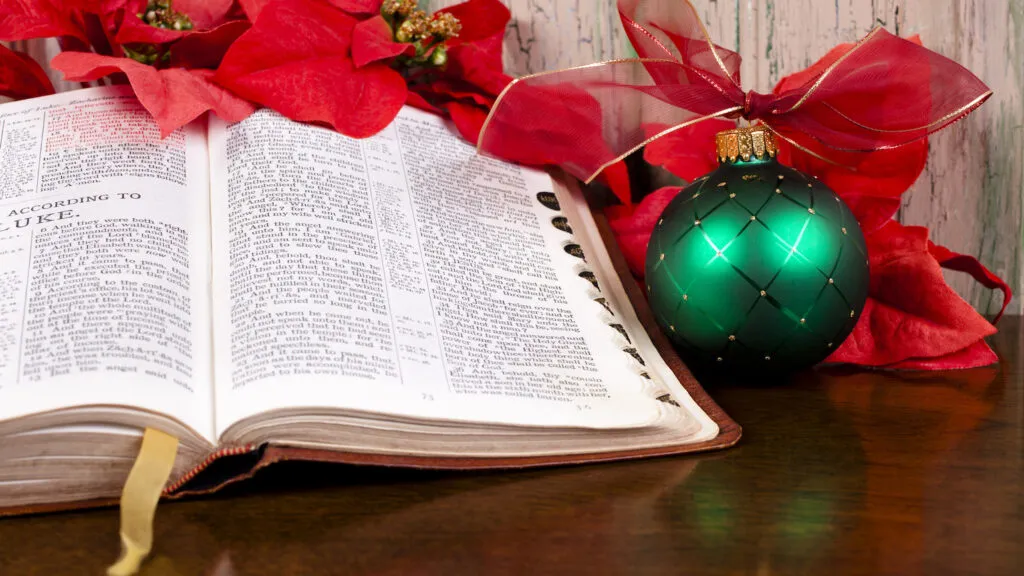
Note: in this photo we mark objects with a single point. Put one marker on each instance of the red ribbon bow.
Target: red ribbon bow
(884, 93)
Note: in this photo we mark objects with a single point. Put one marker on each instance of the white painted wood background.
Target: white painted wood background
(972, 192)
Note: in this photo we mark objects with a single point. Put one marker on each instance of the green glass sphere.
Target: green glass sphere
(757, 267)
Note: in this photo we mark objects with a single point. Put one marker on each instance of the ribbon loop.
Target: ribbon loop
(883, 92)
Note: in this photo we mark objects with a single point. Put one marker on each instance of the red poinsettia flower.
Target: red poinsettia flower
(21, 77)
(297, 59)
(104, 37)
(912, 319)
(468, 86)
(339, 63)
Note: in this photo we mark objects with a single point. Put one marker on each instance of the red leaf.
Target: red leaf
(286, 34)
(479, 64)
(615, 177)
(205, 14)
(174, 96)
(873, 189)
(974, 356)
(29, 19)
(21, 76)
(252, 8)
(445, 88)
(418, 101)
(687, 152)
(356, 102)
(633, 225)
(468, 119)
(969, 264)
(372, 41)
(358, 6)
(206, 49)
(911, 312)
(481, 20)
(296, 60)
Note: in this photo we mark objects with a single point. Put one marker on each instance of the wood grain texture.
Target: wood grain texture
(840, 473)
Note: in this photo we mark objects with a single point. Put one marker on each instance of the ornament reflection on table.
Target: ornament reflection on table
(756, 266)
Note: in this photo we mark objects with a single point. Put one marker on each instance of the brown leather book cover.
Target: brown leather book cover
(233, 465)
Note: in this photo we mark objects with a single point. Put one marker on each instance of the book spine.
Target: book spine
(206, 463)
(619, 333)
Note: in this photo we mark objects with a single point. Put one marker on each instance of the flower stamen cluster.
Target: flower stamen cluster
(425, 32)
(160, 14)
(401, 8)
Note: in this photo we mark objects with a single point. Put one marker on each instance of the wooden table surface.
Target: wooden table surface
(837, 473)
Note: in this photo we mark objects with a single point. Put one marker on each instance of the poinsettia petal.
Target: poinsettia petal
(872, 189)
(30, 19)
(358, 6)
(286, 34)
(911, 312)
(206, 48)
(970, 265)
(480, 19)
(295, 59)
(633, 225)
(479, 64)
(174, 96)
(358, 102)
(252, 8)
(416, 100)
(616, 178)
(688, 152)
(444, 88)
(229, 106)
(21, 76)
(974, 356)
(372, 41)
(865, 346)
(468, 118)
(205, 14)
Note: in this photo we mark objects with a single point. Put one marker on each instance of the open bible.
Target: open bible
(269, 290)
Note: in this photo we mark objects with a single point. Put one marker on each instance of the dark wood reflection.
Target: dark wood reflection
(839, 472)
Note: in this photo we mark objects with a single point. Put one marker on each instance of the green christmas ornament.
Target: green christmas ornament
(756, 266)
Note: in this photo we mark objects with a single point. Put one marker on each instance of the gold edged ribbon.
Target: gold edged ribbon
(809, 90)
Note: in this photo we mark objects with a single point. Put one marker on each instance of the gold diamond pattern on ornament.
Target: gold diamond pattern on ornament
(800, 318)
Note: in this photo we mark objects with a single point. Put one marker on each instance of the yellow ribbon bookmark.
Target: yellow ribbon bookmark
(141, 493)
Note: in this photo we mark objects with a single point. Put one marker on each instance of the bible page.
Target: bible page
(401, 274)
(104, 259)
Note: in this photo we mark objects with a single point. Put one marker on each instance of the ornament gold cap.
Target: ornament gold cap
(744, 143)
